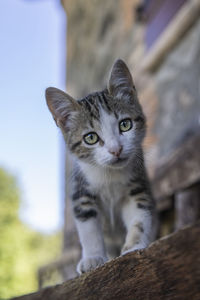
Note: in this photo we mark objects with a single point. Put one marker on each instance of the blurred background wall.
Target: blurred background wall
(160, 46)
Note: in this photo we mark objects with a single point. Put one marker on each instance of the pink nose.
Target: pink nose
(116, 152)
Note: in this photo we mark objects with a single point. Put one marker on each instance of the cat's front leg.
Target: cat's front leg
(138, 219)
(87, 219)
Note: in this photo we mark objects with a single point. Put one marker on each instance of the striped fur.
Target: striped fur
(112, 202)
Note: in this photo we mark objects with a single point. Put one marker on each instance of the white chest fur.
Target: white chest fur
(110, 184)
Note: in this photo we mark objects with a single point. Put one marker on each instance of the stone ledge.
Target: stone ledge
(167, 269)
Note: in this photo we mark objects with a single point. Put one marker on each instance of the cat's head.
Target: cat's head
(105, 128)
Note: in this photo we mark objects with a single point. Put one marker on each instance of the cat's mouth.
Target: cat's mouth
(118, 162)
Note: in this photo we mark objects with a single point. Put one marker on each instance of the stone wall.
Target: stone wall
(98, 33)
(178, 89)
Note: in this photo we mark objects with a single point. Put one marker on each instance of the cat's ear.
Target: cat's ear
(120, 79)
(60, 104)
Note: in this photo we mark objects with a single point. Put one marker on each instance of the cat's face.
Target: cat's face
(105, 128)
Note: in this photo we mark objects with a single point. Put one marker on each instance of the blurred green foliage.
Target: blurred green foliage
(22, 250)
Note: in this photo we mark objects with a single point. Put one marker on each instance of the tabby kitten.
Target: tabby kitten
(112, 202)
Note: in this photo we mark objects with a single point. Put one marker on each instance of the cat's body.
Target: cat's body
(112, 203)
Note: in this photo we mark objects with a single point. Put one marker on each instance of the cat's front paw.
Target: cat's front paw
(127, 249)
(89, 263)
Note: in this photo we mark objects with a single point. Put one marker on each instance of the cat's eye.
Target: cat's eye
(125, 125)
(91, 138)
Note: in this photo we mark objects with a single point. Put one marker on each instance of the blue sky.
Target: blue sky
(32, 57)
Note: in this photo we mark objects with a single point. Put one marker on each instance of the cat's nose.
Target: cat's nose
(116, 152)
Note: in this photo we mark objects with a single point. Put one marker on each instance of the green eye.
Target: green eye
(125, 125)
(91, 138)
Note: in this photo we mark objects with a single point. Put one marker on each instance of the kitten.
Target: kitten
(112, 202)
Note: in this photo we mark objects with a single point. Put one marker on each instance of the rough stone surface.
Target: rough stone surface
(168, 269)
